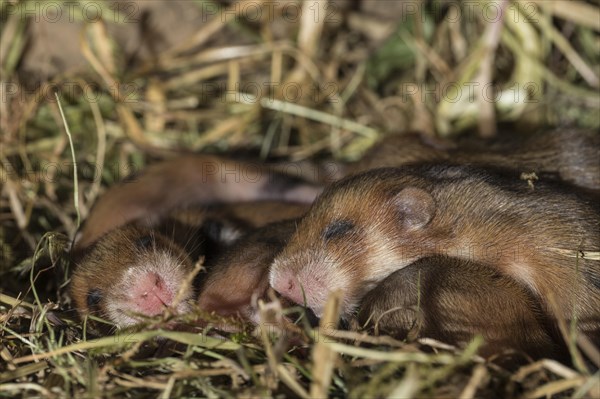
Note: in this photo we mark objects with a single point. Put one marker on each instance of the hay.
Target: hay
(326, 81)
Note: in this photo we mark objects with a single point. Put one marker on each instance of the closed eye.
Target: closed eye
(145, 242)
(337, 229)
(93, 298)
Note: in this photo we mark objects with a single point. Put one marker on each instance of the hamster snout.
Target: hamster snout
(148, 289)
(305, 289)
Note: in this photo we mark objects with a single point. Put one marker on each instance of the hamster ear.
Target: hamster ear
(416, 206)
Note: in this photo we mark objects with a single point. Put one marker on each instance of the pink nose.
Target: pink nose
(305, 291)
(150, 294)
(288, 285)
(293, 290)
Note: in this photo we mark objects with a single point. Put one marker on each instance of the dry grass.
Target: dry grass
(325, 81)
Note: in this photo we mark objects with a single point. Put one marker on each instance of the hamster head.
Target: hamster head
(130, 273)
(357, 232)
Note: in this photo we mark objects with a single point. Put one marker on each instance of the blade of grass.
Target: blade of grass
(125, 339)
(74, 159)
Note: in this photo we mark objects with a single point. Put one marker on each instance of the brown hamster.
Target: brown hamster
(242, 271)
(106, 272)
(571, 155)
(365, 227)
(458, 299)
(452, 300)
(184, 182)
